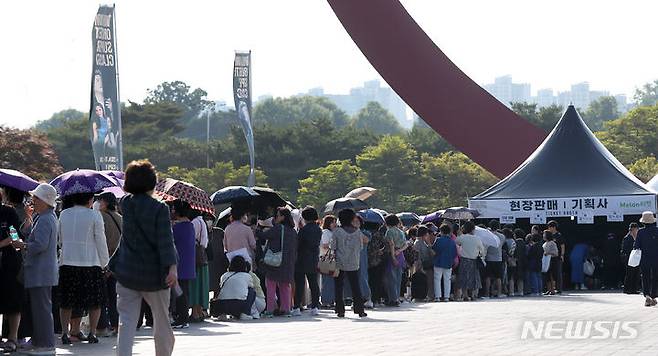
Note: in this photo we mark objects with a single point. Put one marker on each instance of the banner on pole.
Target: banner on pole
(242, 98)
(105, 112)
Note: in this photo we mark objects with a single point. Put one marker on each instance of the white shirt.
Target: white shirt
(327, 237)
(200, 231)
(235, 285)
(82, 238)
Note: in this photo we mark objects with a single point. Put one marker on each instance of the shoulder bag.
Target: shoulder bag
(274, 259)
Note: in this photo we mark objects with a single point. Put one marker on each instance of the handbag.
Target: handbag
(274, 259)
(327, 263)
(545, 263)
(634, 258)
(588, 268)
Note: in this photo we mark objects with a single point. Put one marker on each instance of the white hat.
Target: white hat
(648, 218)
(46, 193)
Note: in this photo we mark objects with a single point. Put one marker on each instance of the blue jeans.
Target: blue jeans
(328, 295)
(363, 277)
(535, 282)
(393, 281)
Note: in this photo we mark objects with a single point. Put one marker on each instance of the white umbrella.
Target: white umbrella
(362, 193)
(487, 237)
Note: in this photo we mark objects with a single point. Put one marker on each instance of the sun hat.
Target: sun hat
(46, 193)
(648, 218)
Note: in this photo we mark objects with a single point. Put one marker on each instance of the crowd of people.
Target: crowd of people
(141, 261)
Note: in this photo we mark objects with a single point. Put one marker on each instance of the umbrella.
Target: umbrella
(172, 189)
(408, 219)
(82, 181)
(115, 174)
(433, 217)
(460, 213)
(117, 191)
(362, 193)
(487, 237)
(270, 198)
(17, 180)
(381, 211)
(232, 193)
(371, 216)
(345, 203)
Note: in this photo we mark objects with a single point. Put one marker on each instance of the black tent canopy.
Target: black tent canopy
(570, 174)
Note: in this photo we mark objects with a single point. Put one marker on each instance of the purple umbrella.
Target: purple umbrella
(117, 191)
(433, 217)
(83, 181)
(17, 180)
(116, 174)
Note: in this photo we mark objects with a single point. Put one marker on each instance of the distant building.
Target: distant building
(580, 95)
(359, 97)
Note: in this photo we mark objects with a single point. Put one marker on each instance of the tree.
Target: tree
(28, 151)
(220, 126)
(425, 140)
(645, 168)
(601, 110)
(150, 122)
(449, 180)
(328, 182)
(375, 118)
(179, 93)
(647, 95)
(392, 168)
(60, 118)
(283, 112)
(71, 143)
(544, 117)
(221, 175)
(633, 136)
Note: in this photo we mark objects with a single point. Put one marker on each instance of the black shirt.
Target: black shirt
(559, 240)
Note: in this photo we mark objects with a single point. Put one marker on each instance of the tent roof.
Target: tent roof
(653, 183)
(571, 162)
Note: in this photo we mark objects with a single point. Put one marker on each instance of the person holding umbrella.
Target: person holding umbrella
(40, 267)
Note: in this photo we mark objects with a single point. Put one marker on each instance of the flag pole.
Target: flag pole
(118, 110)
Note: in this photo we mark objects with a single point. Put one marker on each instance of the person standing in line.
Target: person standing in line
(327, 291)
(397, 240)
(378, 259)
(510, 260)
(561, 250)
(109, 319)
(647, 242)
(535, 254)
(551, 249)
(468, 276)
(184, 240)
(348, 242)
(632, 276)
(308, 254)
(577, 258)
(423, 245)
(366, 292)
(445, 250)
(83, 260)
(238, 235)
(40, 267)
(282, 276)
(521, 257)
(494, 259)
(147, 246)
(199, 286)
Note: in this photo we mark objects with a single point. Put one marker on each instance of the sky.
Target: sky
(45, 47)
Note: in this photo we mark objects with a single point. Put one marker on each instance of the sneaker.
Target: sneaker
(653, 302)
(9, 346)
(368, 305)
(436, 300)
(296, 312)
(315, 311)
(92, 339)
(41, 351)
(648, 302)
(180, 326)
(244, 316)
(363, 315)
(268, 315)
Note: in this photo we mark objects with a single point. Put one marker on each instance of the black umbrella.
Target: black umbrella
(269, 198)
(408, 219)
(339, 204)
(460, 213)
(231, 194)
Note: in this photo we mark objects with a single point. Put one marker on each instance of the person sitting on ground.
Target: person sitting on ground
(236, 291)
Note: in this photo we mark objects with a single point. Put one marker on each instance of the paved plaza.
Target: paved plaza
(492, 327)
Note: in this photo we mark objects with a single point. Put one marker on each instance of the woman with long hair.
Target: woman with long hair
(328, 293)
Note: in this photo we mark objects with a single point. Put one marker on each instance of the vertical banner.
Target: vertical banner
(242, 97)
(105, 112)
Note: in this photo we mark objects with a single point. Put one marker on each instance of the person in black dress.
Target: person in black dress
(13, 294)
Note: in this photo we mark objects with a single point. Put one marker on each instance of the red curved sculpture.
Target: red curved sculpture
(461, 111)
